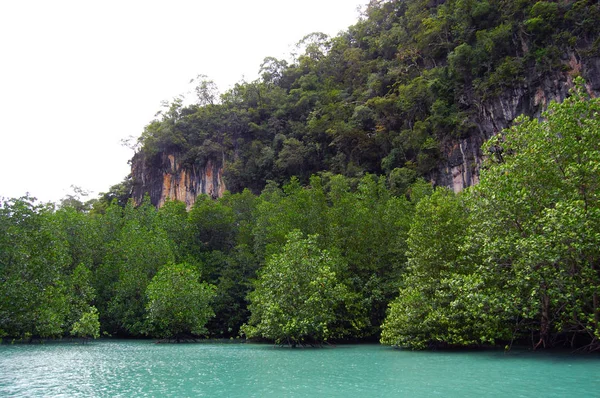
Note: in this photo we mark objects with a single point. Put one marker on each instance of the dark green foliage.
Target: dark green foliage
(369, 227)
(81, 296)
(211, 226)
(33, 266)
(172, 218)
(133, 258)
(119, 193)
(237, 270)
(340, 144)
(388, 93)
(83, 238)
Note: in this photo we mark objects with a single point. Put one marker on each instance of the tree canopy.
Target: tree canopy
(178, 303)
(332, 228)
(524, 259)
(299, 295)
(394, 91)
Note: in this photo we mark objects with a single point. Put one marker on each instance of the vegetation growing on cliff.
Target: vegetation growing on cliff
(391, 92)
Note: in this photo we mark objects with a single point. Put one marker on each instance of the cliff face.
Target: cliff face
(168, 178)
(415, 84)
(462, 158)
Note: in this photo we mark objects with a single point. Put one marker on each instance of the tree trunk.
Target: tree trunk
(545, 320)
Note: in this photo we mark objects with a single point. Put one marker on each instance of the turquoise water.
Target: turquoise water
(143, 369)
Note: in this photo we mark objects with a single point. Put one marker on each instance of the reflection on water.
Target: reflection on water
(143, 369)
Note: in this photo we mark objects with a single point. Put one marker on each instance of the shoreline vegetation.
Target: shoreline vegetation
(512, 259)
(333, 230)
(515, 256)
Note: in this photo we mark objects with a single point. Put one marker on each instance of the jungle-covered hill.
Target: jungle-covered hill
(411, 90)
(328, 232)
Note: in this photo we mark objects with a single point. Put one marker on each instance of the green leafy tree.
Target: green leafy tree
(75, 201)
(88, 326)
(106, 273)
(178, 303)
(368, 227)
(212, 225)
(300, 295)
(279, 211)
(173, 219)
(443, 299)
(537, 226)
(119, 193)
(132, 260)
(233, 268)
(33, 260)
(82, 233)
(237, 270)
(81, 294)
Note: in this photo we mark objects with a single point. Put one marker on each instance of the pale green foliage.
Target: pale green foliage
(178, 303)
(525, 256)
(442, 300)
(299, 295)
(88, 325)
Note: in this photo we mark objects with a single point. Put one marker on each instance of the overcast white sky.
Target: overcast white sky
(78, 76)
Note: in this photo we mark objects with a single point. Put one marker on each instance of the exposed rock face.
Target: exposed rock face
(170, 179)
(463, 157)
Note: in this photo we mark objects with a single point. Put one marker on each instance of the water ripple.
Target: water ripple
(143, 369)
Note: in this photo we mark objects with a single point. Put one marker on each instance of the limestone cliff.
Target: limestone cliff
(166, 177)
(462, 158)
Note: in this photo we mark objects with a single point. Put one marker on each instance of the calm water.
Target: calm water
(144, 369)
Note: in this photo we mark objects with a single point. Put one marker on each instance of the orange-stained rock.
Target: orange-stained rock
(165, 177)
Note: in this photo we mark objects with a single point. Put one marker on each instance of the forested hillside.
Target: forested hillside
(412, 89)
(515, 258)
(329, 230)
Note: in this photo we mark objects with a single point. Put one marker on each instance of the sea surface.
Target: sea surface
(125, 368)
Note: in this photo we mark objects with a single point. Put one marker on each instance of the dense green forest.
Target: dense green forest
(388, 96)
(329, 232)
(516, 257)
